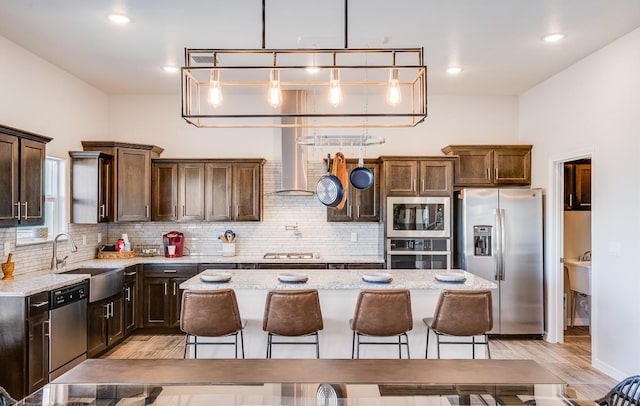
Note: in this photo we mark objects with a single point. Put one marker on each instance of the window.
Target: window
(54, 205)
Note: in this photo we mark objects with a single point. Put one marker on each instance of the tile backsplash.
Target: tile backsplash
(289, 224)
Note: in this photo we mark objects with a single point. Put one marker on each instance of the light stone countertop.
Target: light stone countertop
(35, 282)
(335, 279)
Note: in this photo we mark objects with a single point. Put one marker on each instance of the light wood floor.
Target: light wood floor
(570, 361)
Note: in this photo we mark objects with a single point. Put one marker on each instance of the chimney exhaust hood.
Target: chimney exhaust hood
(294, 157)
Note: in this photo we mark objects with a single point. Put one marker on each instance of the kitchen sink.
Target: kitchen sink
(104, 282)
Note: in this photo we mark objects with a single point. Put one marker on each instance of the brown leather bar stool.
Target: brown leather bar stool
(462, 313)
(292, 313)
(211, 313)
(382, 313)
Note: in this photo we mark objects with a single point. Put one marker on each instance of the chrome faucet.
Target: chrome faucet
(586, 256)
(54, 260)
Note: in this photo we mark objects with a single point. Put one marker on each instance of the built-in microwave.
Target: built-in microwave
(417, 217)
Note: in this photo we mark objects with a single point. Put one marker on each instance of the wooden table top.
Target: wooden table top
(348, 371)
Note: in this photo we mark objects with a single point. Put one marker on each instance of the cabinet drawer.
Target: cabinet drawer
(202, 267)
(169, 270)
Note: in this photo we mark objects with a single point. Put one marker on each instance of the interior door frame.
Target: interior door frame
(555, 249)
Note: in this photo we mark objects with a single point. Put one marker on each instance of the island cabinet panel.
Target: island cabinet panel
(22, 162)
(91, 187)
(162, 296)
(105, 324)
(131, 177)
(491, 165)
(361, 205)
(417, 176)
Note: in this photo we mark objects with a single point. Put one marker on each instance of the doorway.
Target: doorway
(576, 250)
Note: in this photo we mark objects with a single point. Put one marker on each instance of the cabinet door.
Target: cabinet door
(96, 327)
(32, 160)
(115, 322)
(400, 178)
(218, 191)
(247, 192)
(105, 190)
(191, 191)
(512, 166)
(436, 178)
(367, 202)
(473, 167)
(164, 185)
(134, 185)
(569, 186)
(176, 300)
(130, 303)
(8, 179)
(38, 352)
(156, 302)
(583, 186)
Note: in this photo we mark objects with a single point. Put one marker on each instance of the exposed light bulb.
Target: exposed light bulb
(118, 18)
(335, 90)
(554, 37)
(394, 94)
(215, 90)
(313, 67)
(275, 93)
(454, 70)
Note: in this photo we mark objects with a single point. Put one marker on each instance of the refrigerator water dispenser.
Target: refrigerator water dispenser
(482, 241)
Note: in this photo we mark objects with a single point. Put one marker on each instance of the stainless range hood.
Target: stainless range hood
(294, 157)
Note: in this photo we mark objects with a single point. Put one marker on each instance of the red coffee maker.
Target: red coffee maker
(173, 242)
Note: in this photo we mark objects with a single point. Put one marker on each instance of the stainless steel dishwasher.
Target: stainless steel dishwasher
(67, 328)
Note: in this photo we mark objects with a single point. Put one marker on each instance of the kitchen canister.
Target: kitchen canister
(228, 249)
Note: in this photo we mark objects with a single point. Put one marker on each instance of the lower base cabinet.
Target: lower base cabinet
(105, 324)
(131, 298)
(162, 296)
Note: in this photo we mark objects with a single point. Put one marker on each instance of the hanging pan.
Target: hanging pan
(329, 189)
(361, 177)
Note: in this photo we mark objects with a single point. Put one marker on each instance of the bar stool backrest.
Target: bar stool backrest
(463, 313)
(210, 313)
(383, 313)
(292, 312)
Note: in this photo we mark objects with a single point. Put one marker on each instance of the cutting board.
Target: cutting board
(341, 173)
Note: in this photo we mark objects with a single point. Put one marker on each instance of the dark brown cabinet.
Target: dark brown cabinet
(130, 298)
(491, 165)
(22, 160)
(233, 190)
(131, 176)
(178, 191)
(105, 324)
(162, 296)
(577, 185)
(91, 187)
(361, 205)
(417, 176)
(24, 343)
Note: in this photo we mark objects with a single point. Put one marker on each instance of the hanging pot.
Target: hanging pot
(329, 189)
(361, 177)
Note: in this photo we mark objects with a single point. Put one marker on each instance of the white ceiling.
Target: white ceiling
(497, 42)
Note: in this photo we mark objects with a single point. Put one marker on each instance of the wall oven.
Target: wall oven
(418, 217)
(418, 253)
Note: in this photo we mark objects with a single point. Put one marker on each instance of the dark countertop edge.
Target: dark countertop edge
(363, 371)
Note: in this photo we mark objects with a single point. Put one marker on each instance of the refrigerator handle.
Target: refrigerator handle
(498, 246)
(503, 244)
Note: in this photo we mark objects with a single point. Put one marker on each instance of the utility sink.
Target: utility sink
(579, 276)
(104, 282)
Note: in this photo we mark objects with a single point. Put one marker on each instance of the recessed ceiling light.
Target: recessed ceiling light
(555, 37)
(170, 69)
(454, 70)
(118, 18)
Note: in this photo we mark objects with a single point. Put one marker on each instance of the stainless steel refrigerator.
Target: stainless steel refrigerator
(499, 237)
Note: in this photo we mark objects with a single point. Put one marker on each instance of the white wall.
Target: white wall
(593, 107)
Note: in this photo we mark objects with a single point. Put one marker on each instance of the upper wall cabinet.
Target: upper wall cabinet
(22, 160)
(91, 187)
(417, 176)
(131, 175)
(361, 205)
(577, 185)
(177, 190)
(491, 165)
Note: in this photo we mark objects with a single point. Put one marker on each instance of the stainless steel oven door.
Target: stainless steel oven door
(418, 216)
(418, 253)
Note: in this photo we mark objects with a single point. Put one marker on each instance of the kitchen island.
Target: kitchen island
(338, 290)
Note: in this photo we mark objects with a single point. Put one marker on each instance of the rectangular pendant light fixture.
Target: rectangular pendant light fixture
(347, 88)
